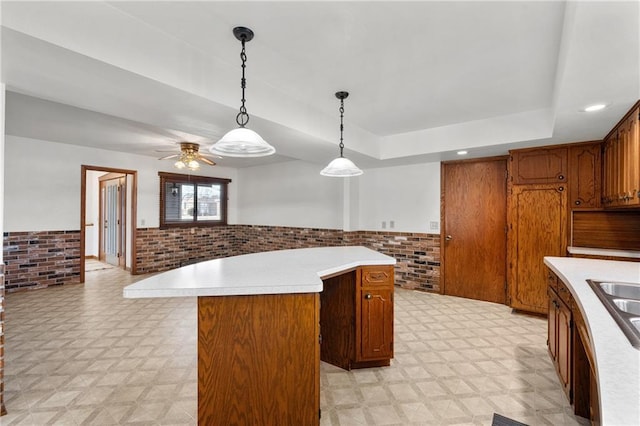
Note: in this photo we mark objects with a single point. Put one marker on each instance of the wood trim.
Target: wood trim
(83, 211)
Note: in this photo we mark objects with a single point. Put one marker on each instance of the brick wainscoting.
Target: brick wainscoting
(41, 259)
(418, 255)
(3, 411)
(164, 249)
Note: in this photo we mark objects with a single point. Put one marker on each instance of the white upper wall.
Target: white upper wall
(407, 195)
(42, 184)
(289, 194)
(42, 191)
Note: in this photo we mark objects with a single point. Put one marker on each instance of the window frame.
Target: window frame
(195, 180)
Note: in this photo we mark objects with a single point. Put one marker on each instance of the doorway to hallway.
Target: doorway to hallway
(108, 218)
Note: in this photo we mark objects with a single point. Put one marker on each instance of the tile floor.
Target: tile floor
(83, 355)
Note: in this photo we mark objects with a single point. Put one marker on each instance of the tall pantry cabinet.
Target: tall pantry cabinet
(544, 185)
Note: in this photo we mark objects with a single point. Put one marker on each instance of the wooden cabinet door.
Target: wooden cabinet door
(584, 175)
(563, 333)
(552, 325)
(631, 169)
(376, 323)
(374, 313)
(537, 228)
(540, 165)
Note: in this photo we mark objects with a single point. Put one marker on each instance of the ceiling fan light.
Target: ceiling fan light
(193, 165)
(179, 164)
(341, 167)
(242, 142)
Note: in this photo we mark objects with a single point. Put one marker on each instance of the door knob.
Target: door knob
(367, 296)
(448, 238)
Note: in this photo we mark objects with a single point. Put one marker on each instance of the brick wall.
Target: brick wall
(41, 259)
(3, 411)
(164, 249)
(418, 255)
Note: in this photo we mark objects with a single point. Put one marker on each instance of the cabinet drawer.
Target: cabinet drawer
(377, 275)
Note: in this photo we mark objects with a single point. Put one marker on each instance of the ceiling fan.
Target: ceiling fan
(189, 157)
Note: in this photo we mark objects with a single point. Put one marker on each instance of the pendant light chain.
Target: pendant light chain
(243, 118)
(341, 125)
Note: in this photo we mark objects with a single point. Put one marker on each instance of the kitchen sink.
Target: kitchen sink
(624, 290)
(628, 306)
(622, 300)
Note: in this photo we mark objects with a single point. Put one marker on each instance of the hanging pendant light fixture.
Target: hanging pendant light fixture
(242, 142)
(341, 167)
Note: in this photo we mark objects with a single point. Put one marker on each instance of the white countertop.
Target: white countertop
(617, 362)
(272, 272)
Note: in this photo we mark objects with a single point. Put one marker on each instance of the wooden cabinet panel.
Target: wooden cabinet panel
(621, 174)
(374, 314)
(584, 175)
(376, 320)
(537, 228)
(539, 165)
(337, 320)
(259, 360)
(560, 340)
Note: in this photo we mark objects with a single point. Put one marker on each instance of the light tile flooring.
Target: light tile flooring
(84, 355)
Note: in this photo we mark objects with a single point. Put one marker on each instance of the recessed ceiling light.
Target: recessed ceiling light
(594, 107)
(462, 153)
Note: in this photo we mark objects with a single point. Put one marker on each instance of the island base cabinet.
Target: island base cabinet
(259, 360)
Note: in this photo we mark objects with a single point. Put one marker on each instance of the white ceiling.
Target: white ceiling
(425, 78)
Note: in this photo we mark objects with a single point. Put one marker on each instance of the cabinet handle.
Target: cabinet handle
(448, 238)
(561, 177)
(578, 202)
(561, 188)
(367, 296)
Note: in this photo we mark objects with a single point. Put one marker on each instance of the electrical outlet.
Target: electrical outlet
(392, 224)
(384, 224)
(434, 226)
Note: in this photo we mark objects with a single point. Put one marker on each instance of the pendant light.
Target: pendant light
(242, 142)
(341, 167)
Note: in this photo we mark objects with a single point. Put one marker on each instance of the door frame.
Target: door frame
(83, 211)
(443, 226)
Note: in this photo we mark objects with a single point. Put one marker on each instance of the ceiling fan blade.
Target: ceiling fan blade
(166, 157)
(207, 161)
(209, 155)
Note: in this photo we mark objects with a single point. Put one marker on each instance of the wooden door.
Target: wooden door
(552, 326)
(474, 229)
(537, 228)
(564, 346)
(112, 232)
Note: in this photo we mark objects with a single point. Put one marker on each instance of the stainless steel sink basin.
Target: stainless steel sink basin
(628, 306)
(622, 300)
(624, 290)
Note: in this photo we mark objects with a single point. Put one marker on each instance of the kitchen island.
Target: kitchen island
(259, 322)
(617, 362)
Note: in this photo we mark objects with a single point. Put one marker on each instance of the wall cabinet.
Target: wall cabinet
(621, 163)
(537, 221)
(356, 318)
(584, 175)
(539, 165)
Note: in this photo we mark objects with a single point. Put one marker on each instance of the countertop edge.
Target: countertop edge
(618, 388)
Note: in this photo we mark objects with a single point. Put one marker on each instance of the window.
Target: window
(187, 200)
